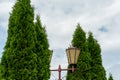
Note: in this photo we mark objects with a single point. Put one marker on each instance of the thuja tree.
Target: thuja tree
(20, 60)
(97, 69)
(83, 65)
(42, 51)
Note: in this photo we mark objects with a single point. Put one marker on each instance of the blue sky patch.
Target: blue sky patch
(103, 29)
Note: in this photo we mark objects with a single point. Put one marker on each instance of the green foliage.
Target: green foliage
(97, 70)
(79, 37)
(110, 77)
(19, 56)
(90, 62)
(26, 55)
(83, 65)
(42, 51)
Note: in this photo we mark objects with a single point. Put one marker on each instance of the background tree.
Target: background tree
(79, 41)
(42, 51)
(97, 69)
(110, 77)
(21, 59)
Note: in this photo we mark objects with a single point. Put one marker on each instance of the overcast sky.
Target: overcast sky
(61, 17)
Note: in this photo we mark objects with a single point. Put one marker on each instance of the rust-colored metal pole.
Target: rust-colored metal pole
(59, 72)
(60, 69)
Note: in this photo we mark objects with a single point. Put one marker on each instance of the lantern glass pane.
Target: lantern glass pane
(68, 56)
(72, 55)
(77, 55)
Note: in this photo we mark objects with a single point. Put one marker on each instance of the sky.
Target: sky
(61, 17)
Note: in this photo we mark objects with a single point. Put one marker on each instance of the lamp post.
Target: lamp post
(72, 56)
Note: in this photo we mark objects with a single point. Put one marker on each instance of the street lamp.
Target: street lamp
(72, 55)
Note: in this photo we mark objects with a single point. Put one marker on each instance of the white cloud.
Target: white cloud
(114, 69)
(5, 8)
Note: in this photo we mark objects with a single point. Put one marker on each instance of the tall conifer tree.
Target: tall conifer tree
(42, 51)
(97, 69)
(20, 60)
(83, 65)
